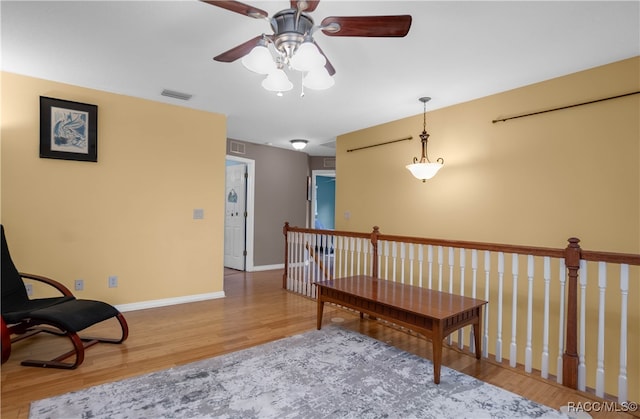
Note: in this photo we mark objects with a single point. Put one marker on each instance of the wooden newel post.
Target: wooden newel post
(285, 230)
(374, 255)
(572, 255)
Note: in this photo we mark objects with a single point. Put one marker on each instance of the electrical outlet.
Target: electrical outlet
(29, 288)
(113, 281)
(79, 285)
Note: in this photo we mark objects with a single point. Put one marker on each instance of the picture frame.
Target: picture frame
(68, 130)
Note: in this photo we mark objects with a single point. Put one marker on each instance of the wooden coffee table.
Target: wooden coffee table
(431, 313)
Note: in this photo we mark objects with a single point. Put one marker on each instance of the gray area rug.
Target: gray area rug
(330, 373)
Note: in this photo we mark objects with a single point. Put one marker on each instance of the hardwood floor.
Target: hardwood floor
(256, 310)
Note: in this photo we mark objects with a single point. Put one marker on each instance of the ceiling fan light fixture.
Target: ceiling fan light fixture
(307, 57)
(318, 79)
(298, 144)
(259, 60)
(277, 81)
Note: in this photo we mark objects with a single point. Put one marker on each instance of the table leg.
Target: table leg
(320, 310)
(477, 331)
(436, 343)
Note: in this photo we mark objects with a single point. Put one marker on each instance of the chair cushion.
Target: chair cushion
(13, 315)
(75, 315)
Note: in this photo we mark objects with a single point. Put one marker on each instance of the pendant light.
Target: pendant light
(423, 168)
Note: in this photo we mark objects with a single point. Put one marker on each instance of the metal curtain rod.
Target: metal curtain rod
(379, 144)
(565, 107)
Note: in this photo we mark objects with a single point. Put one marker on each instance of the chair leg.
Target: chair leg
(6, 341)
(78, 351)
(79, 346)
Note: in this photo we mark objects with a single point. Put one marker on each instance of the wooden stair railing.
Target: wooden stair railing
(572, 259)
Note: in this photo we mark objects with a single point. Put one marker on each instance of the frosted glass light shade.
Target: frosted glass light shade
(259, 60)
(298, 144)
(318, 79)
(424, 171)
(277, 81)
(307, 57)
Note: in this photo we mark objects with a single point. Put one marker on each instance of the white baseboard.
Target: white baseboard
(267, 268)
(169, 301)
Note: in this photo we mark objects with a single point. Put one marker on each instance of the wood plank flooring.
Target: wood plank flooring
(256, 310)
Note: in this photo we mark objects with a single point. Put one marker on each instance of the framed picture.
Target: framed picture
(68, 130)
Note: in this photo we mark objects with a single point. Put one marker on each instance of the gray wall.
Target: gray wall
(280, 195)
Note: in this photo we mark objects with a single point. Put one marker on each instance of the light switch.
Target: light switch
(198, 214)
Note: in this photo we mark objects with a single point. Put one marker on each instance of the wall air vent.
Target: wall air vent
(236, 147)
(176, 95)
(329, 162)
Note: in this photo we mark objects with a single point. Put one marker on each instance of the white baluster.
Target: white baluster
(602, 285)
(386, 260)
(411, 260)
(624, 293)
(290, 258)
(403, 257)
(487, 275)
(528, 354)
(451, 264)
(450, 282)
(563, 282)
(474, 270)
(339, 255)
(463, 257)
(500, 287)
(359, 253)
(365, 257)
(440, 266)
(394, 260)
(346, 256)
(430, 264)
(582, 366)
(420, 263)
(514, 311)
(352, 246)
(545, 330)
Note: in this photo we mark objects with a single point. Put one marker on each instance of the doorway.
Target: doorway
(239, 216)
(323, 199)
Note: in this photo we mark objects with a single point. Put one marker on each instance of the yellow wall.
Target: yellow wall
(131, 213)
(531, 181)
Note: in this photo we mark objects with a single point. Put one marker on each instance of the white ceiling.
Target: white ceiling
(455, 51)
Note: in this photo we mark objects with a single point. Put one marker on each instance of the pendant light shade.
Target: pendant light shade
(424, 171)
(307, 57)
(318, 79)
(277, 81)
(259, 60)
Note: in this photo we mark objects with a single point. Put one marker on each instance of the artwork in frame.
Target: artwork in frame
(68, 130)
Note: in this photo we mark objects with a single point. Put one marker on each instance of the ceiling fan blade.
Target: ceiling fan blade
(368, 26)
(305, 5)
(239, 51)
(327, 65)
(236, 6)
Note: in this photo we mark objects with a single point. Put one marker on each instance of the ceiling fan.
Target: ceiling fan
(293, 42)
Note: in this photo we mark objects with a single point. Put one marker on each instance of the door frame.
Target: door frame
(314, 197)
(250, 199)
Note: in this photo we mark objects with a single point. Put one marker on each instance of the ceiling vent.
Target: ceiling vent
(176, 95)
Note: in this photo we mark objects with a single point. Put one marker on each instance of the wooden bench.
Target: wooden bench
(432, 313)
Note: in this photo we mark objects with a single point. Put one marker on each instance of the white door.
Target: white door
(235, 216)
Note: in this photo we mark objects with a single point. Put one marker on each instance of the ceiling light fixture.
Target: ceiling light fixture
(423, 168)
(298, 144)
(295, 50)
